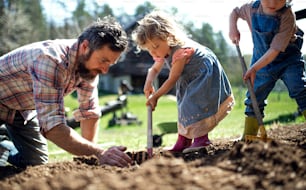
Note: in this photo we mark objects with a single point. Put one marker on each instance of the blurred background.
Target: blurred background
(26, 21)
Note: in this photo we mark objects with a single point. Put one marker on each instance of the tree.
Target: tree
(81, 16)
(143, 9)
(102, 11)
(16, 28)
(22, 22)
(34, 11)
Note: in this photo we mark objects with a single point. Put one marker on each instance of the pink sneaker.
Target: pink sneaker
(198, 143)
(181, 144)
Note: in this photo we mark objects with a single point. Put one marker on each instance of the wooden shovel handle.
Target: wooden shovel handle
(251, 90)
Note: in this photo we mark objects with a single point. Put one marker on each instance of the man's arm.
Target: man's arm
(69, 140)
(89, 129)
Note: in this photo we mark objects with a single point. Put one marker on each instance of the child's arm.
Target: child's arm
(279, 43)
(180, 58)
(243, 12)
(234, 33)
(175, 72)
(152, 74)
(267, 58)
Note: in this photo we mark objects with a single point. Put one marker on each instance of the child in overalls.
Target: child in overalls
(276, 53)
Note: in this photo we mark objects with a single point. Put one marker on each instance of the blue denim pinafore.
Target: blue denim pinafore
(202, 86)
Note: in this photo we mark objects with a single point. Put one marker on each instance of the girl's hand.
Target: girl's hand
(250, 74)
(152, 102)
(148, 90)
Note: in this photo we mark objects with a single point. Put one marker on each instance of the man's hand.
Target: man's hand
(69, 140)
(115, 156)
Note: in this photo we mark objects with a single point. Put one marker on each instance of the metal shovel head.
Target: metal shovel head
(263, 136)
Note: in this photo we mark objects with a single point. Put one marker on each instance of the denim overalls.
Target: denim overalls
(288, 66)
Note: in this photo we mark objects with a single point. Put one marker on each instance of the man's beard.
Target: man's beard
(84, 73)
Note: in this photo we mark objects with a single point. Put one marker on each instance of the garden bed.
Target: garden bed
(226, 164)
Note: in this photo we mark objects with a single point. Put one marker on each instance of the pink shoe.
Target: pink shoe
(198, 143)
(181, 144)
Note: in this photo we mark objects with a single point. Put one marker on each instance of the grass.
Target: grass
(279, 110)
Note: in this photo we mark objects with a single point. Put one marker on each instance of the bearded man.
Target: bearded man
(35, 78)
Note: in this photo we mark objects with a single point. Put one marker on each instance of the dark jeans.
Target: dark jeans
(28, 146)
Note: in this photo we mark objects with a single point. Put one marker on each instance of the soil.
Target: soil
(225, 164)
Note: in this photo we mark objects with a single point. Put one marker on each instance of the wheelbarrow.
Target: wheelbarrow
(166, 128)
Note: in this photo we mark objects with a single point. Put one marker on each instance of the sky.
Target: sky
(214, 12)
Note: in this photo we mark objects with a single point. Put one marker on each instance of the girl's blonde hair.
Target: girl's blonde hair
(158, 24)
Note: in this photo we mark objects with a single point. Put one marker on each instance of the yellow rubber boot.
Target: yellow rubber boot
(304, 113)
(250, 127)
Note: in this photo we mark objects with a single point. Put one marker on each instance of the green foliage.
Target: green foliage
(81, 16)
(34, 10)
(146, 7)
(21, 22)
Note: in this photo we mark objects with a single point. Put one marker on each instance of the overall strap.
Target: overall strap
(256, 4)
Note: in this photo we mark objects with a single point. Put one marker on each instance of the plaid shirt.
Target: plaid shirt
(35, 78)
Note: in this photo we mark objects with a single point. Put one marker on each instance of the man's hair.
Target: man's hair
(105, 31)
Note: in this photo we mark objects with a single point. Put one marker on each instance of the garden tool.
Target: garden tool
(149, 133)
(263, 133)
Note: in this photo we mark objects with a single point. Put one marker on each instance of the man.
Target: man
(33, 82)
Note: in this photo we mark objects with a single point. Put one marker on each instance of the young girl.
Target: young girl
(203, 92)
(276, 53)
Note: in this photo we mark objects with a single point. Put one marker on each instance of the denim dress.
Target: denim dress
(202, 86)
(288, 66)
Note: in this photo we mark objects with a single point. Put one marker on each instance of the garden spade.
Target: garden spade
(141, 156)
(149, 133)
(263, 133)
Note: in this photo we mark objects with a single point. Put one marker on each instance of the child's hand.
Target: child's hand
(148, 90)
(250, 74)
(152, 102)
(234, 35)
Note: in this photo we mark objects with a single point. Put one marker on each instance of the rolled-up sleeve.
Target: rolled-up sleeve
(286, 32)
(88, 100)
(244, 12)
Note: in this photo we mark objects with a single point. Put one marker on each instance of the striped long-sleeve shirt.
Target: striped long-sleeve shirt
(35, 78)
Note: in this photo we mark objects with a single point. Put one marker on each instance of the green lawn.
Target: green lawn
(279, 110)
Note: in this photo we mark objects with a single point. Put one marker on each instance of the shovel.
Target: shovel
(141, 156)
(263, 133)
(149, 133)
